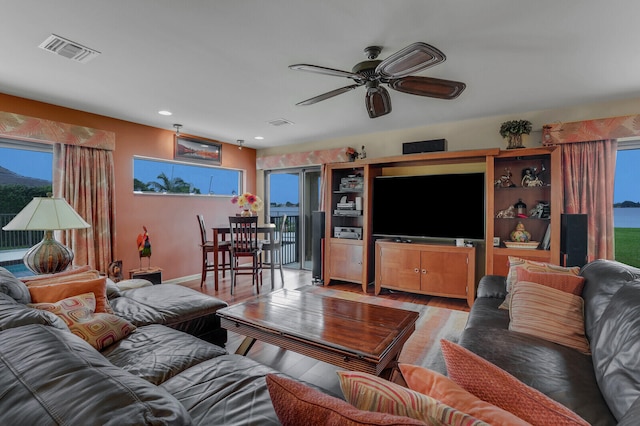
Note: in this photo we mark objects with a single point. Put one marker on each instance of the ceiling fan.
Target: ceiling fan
(394, 71)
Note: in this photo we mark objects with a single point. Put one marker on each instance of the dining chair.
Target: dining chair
(207, 247)
(274, 248)
(245, 244)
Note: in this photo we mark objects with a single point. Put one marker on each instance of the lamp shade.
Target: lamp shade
(46, 213)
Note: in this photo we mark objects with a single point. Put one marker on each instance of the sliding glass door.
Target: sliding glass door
(294, 193)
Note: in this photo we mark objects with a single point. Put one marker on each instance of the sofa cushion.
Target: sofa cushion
(13, 287)
(368, 392)
(52, 377)
(298, 404)
(603, 278)
(494, 385)
(50, 293)
(548, 313)
(443, 389)
(175, 306)
(78, 312)
(230, 389)
(616, 345)
(14, 314)
(156, 352)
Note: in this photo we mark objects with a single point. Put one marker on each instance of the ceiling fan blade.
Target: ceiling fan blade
(426, 86)
(377, 101)
(324, 70)
(328, 95)
(410, 60)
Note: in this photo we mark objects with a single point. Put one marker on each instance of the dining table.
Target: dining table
(221, 231)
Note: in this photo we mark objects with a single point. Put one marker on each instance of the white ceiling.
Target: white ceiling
(222, 66)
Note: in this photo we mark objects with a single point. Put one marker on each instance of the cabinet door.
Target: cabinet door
(399, 268)
(444, 273)
(346, 261)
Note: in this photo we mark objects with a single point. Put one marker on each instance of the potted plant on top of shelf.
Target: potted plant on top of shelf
(513, 131)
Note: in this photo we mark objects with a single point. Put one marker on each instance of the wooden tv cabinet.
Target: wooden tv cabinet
(433, 269)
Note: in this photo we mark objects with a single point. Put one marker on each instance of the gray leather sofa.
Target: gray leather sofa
(604, 387)
(159, 374)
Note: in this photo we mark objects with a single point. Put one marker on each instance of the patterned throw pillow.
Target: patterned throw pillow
(516, 263)
(494, 385)
(98, 329)
(443, 389)
(54, 292)
(297, 404)
(548, 313)
(368, 392)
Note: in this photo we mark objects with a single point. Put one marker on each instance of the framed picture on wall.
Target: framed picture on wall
(194, 149)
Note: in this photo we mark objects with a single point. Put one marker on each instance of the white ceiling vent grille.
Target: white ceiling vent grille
(69, 49)
(280, 122)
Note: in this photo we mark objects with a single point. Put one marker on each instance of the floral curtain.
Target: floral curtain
(588, 174)
(85, 178)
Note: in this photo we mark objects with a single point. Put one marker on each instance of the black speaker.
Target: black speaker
(424, 146)
(317, 245)
(573, 239)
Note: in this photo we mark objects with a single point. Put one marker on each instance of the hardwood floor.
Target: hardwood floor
(291, 363)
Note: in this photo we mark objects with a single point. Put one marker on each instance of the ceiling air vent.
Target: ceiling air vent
(280, 122)
(69, 49)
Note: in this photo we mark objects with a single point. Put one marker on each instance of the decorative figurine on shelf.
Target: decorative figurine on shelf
(520, 235)
(507, 213)
(505, 180)
(363, 153)
(530, 178)
(541, 210)
(352, 154)
(144, 246)
(521, 208)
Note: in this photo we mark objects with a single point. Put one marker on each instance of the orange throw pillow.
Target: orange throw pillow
(55, 292)
(566, 282)
(45, 277)
(494, 385)
(297, 404)
(443, 389)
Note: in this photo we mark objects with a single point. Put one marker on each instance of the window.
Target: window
(626, 203)
(26, 171)
(172, 177)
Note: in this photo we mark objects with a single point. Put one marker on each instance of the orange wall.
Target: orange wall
(170, 219)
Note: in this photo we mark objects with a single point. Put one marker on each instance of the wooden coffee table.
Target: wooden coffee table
(353, 335)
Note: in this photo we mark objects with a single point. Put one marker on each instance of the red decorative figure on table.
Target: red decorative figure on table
(144, 246)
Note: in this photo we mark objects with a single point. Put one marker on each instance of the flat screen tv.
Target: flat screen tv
(429, 206)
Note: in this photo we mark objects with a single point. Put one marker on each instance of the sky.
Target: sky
(285, 186)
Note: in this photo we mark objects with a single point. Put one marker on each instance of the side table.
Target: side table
(151, 274)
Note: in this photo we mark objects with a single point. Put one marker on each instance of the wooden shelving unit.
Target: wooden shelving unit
(354, 260)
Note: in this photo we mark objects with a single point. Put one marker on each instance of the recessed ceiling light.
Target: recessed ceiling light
(258, 138)
(164, 112)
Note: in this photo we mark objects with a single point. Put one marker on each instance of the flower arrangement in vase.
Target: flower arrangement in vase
(249, 203)
(513, 131)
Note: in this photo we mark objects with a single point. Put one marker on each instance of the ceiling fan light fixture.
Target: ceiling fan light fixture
(377, 100)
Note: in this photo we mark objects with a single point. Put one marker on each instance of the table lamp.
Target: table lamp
(47, 214)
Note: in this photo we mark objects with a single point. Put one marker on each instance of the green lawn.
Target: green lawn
(627, 243)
